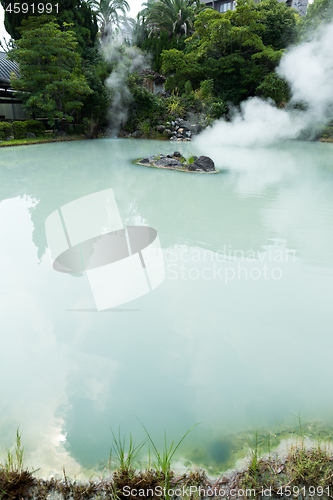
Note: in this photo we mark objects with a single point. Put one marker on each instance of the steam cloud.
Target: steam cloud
(308, 68)
(126, 60)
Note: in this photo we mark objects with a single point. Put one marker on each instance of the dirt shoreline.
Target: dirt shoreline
(303, 473)
(28, 142)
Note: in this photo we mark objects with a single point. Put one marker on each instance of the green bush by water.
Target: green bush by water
(19, 129)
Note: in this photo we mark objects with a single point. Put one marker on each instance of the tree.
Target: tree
(319, 12)
(280, 22)
(96, 104)
(227, 48)
(176, 17)
(111, 14)
(51, 80)
(157, 43)
(77, 12)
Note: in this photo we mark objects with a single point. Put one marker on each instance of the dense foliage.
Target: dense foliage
(213, 61)
(51, 80)
(156, 43)
(229, 49)
(319, 12)
(76, 12)
(18, 129)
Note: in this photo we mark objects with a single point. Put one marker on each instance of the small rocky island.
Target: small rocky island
(175, 161)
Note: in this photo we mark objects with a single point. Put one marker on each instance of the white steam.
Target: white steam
(308, 68)
(125, 60)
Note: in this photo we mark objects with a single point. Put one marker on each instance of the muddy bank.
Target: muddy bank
(303, 473)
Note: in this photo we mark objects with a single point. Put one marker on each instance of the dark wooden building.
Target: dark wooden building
(10, 105)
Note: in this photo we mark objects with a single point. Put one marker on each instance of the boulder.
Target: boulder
(176, 154)
(167, 132)
(195, 168)
(30, 135)
(168, 162)
(137, 134)
(144, 160)
(60, 133)
(186, 125)
(160, 128)
(152, 158)
(204, 163)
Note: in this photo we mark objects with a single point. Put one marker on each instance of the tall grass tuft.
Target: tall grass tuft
(14, 459)
(163, 460)
(123, 459)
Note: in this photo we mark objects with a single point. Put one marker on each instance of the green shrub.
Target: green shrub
(20, 129)
(206, 88)
(188, 87)
(35, 126)
(6, 129)
(145, 127)
(217, 109)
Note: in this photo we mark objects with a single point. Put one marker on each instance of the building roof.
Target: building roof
(6, 68)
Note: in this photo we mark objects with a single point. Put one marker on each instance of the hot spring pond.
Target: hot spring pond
(238, 335)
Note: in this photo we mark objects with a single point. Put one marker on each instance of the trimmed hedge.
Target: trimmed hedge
(6, 129)
(35, 126)
(20, 128)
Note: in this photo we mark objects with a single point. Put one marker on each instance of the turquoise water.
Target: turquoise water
(238, 334)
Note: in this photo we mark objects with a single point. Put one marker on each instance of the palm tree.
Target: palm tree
(110, 14)
(174, 16)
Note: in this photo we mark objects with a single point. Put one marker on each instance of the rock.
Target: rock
(152, 158)
(173, 124)
(177, 154)
(10, 138)
(144, 160)
(160, 128)
(188, 133)
(60, 133)
(167, 132)
(186, 125)
(168, 162)
(204, 163)
(30, 135)
(195, 168)
(137, 134)
(180, 131)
